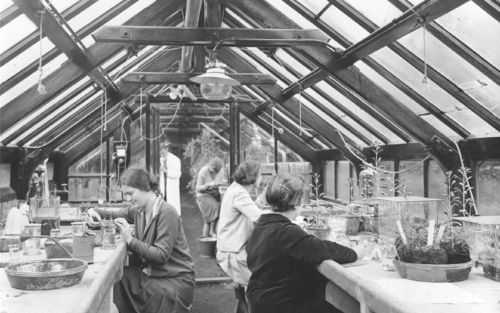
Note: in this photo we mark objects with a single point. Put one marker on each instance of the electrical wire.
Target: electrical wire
(217, 117)
(162, 132)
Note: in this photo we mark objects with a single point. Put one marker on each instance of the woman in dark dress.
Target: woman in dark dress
(160, 277)
(283, 258)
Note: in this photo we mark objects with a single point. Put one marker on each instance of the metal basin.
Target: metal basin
(45, 274)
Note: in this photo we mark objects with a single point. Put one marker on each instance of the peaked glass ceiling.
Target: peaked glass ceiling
(459, 98)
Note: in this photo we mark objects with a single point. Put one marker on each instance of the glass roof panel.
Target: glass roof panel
(62, 5)
(121, 18)
(25, 58)
(359, 112)
(456, 69)
(390, 88)
(4, 4)
(45, 106)
(314, 5)
(414, 78)
(31, 80)
(291, 13)
(343, 24)
(472, 122)
(15, 31)
(381, 12)
(89, 14)
(432, 120)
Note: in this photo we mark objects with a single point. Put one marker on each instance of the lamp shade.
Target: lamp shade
(215, 84)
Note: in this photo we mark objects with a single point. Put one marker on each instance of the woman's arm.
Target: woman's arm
(167, 230)
(96, 214)
(203, 181)
(244, 203)
(301, 245)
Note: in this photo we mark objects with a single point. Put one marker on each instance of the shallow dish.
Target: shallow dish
(438, 273)
(45, 274)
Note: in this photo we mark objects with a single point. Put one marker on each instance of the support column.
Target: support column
(148, 134)
(234, 137)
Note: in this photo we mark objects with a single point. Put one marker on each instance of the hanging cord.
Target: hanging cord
(162, 132)
(100, 149)
(140, 114)
(466, 178)
(272, 123)
(41, 88)
(300, 110)
(105, 104)
(378, 168)
(215, 118)
(424, 80)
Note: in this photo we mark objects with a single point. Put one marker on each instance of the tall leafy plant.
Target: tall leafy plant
(198, 152)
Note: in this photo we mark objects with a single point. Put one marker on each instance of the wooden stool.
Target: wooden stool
(241, 301)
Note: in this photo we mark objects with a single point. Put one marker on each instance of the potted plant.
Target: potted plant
(317, 225)
(427, 254)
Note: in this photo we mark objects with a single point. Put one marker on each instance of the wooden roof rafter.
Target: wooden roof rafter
(69, 73)
(53, 53)
(442, 81)
(440, 147)
(409, 91)
(455, 44)
(8, 15)
(63, 41)
(492, 7)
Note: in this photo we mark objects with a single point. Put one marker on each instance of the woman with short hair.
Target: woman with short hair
(160, 277)
(283, 258)
(236, 222)
(206, 184)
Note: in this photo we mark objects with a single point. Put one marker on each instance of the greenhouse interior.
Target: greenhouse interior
(249, 156)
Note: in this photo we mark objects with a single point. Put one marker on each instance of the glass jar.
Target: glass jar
(78, 228)
(32, 246)
(108, 234)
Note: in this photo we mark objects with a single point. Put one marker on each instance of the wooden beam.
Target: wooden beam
(234, 139)
(184, 78)
(216, 134)
(53, 53)
(8, 15)
(439, 145)
(292, 105)
(64, 42)
(432, 73)
(69, 73)
(317, 75)
(387, 75)
(193, 8)
(190, 36)
(490, 6)
(456, 44)
(32, 38)
(167, 99)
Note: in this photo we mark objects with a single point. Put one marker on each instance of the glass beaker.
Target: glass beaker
(32, 246)
(108, 234)
(78, 228)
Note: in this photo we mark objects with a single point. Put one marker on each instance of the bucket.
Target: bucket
(83, 248)
(207, 246)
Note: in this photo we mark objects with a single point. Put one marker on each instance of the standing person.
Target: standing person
(238, 214)
(170, 173)
(283, 258)
(206, 193)
(160, 277)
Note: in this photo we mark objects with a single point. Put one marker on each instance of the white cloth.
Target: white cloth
(238, 212)
(235, 266)
(172, 171)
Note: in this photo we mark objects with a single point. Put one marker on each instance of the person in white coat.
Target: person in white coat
(170, 173)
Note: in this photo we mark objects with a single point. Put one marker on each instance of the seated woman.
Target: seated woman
(238, 214)
(160, 277)
(283, 258)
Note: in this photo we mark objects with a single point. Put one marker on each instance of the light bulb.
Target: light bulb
(215, 91)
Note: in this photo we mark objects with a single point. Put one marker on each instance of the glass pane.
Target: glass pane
(381, 12)
(256, 144)
(488, 185)
(386, 179)
(343, 180)
(291, 14)
(390, 88)
(473, 123)
(314, 5)
(5, 4)
(86, 177)
(476, 28)
(432, 120)
(343, 24)
(62, 5)
(89, 14)
(437, 187)
(121, 18)
(359, 112)
(412, 178)
(413, 78)
(456, 69)
(15, 31)
(31, 80)
(137, 144)
(329, 178)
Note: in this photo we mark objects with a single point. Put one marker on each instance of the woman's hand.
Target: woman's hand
(93, 218)
(125, 229)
